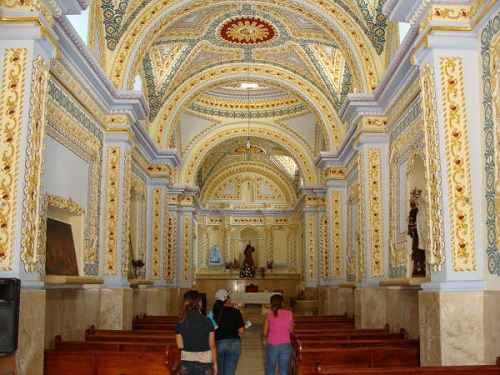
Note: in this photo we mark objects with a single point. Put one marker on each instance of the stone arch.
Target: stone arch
(304, 160)
(265, 170)
(334, 129)
(344, 30)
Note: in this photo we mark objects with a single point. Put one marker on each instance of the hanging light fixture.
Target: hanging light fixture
(248, 147)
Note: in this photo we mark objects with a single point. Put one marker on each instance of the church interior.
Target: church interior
(344, 153)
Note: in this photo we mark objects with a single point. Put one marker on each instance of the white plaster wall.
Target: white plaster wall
(66, 174)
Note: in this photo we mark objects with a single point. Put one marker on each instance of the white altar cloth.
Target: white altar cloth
(252, 297)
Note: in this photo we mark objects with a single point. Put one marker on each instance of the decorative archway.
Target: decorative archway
(201, 148)
(161, 128)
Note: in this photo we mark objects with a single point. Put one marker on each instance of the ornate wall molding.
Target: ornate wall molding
(126, 239)
(490, 52)
(375, 206)
(433, 169)
(68, 132)
(11, 114)
(323, 248)
(336, 225)
(139, 190)
(172, 246)
(33, 164)
(351, 256)
(463, 246)
(187, 222)
(362, 223)
(113, 163)
(66, 204)
(310, 253)
(408, 143)
(156, 234)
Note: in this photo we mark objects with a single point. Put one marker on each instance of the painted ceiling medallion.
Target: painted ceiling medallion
(247, 30)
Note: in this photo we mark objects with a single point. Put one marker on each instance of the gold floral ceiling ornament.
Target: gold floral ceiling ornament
(247, 30)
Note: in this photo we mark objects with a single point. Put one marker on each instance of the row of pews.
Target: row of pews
(148, 349)
(331, 345)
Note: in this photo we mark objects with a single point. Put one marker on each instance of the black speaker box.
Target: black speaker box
(10, 291)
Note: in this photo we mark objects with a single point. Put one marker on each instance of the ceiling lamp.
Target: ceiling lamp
(248, 147)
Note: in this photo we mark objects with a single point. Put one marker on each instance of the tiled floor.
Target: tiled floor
(252, 357)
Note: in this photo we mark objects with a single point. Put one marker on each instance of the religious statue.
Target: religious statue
(215, 257)
(417, 254)
(248, 269)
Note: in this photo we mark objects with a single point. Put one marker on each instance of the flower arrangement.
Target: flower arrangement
(137, 264)
(228, 265)
(270, 265)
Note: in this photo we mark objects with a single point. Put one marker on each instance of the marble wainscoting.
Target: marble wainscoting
(156, 301)
(398, 306)
(336, 301)
(31, 337)
(116, 310)
(459, 327)
(69, 312)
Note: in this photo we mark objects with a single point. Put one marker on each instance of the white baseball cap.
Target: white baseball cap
(221, 295)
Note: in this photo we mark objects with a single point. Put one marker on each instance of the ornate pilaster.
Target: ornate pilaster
(452, 111)
(313, 206)
(269, 243)
(116, 207)
(292, 248)
(24, 62)
(374, 201)
(204, 250)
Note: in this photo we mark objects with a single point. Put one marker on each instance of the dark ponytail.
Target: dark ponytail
(218, 309)
(191, 302)
(276, 303)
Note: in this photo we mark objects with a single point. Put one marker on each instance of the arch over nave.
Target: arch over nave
(359, 162)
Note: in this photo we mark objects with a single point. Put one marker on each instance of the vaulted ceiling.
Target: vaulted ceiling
(193, 56)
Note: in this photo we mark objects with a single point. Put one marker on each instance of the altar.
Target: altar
(260, 298)
(209, 283)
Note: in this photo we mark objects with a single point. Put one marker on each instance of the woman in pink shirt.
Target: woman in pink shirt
(278, 324)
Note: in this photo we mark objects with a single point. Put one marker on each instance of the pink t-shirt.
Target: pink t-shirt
(279, 327)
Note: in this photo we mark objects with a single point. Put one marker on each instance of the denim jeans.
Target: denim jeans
(280, 354)
(228, 353)
(195, 368)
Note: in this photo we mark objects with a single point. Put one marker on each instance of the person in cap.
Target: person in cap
(227, 336)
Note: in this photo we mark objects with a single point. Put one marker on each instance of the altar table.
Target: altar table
(261, 298)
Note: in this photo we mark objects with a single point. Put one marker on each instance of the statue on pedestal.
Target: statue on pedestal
(248, 269)
(215, 257)
(417, 255)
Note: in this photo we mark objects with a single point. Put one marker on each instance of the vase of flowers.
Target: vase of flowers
(137, 264)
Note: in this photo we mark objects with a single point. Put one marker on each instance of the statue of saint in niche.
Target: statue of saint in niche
(417, 254)
(215, 257)
(248, 269)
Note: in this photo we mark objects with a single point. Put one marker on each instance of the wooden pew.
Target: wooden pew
(116, 346)
(153, 326)
(156, 318)
(312, 344)
(439, 370)
(58, 362)
(93, 334)
(378, 356)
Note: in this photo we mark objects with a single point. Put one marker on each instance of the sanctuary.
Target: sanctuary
(342, 153)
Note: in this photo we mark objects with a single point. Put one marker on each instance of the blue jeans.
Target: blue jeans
(279, 353)
(228, 353)
(195, 368)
